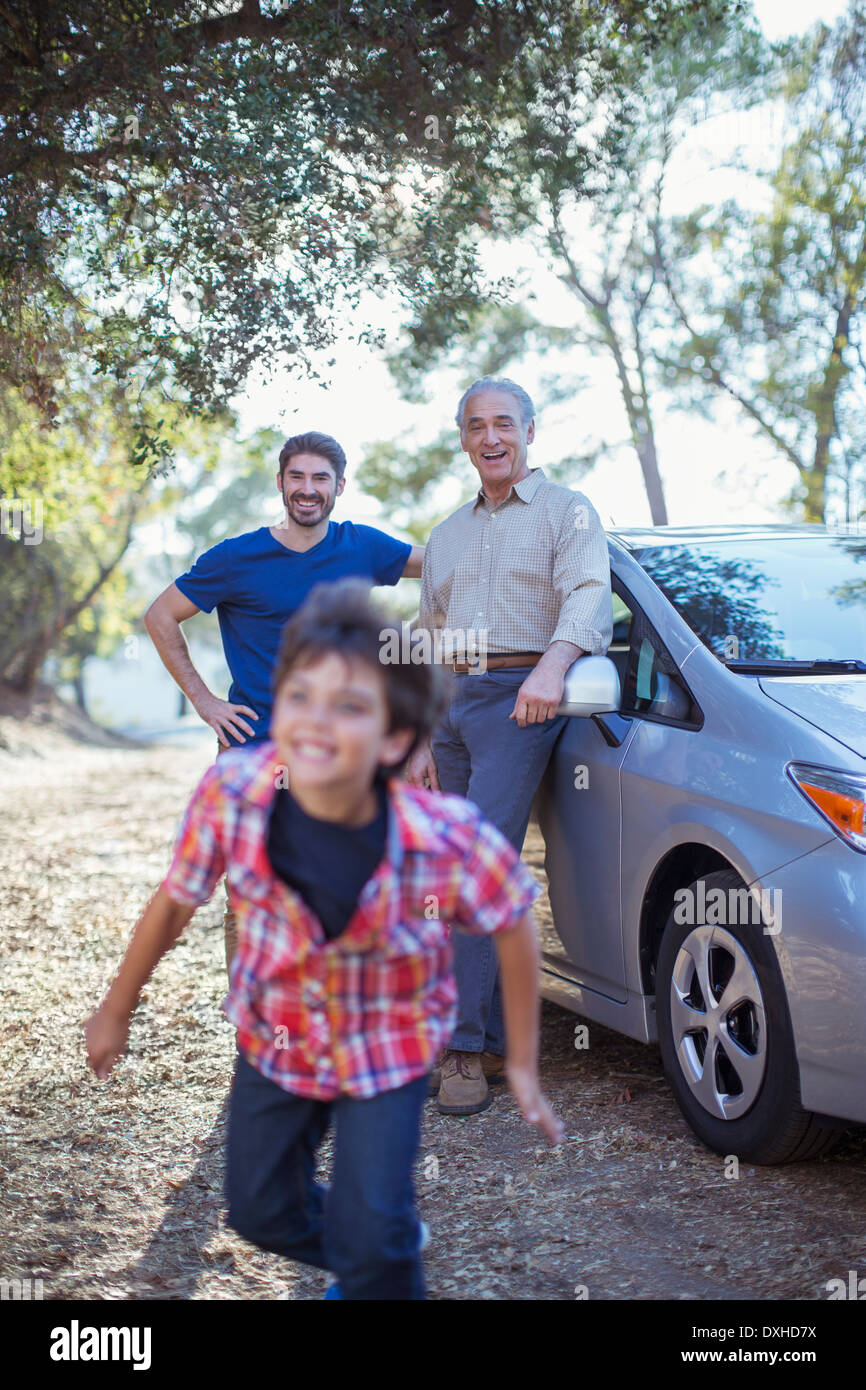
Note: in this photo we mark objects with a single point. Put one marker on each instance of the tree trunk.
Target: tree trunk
(636, 403)
(23, 673)
(639, 422)
(78, 684)
(22, 666)
(825, 416)
(652, 479)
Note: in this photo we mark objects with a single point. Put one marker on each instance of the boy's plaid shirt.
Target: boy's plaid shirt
(369, 1010)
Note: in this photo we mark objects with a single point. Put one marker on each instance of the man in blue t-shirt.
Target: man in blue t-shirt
(257, 581)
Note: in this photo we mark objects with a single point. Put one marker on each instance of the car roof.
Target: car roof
(645, 537)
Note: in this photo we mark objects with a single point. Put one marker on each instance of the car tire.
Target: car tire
(733, 1066)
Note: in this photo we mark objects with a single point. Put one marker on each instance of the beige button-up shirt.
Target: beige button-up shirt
(532, 570)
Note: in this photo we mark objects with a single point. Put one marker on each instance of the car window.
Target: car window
(619, 645)
(621, 622)
(786, 598)
(651, 683)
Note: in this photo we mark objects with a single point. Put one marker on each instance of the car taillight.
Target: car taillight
(840, 797)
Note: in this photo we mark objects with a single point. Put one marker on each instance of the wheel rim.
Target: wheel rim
(718, 1022)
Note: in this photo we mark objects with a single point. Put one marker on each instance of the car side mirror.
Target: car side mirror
(591, 687)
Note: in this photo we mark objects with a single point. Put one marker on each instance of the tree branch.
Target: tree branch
(70, 614)
(573, 278)
(101, 73)
(715, 376)
(32, 55)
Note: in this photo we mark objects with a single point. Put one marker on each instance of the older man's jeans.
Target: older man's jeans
(365, 1227)
(483, 755)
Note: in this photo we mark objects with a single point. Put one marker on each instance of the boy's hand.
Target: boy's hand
(106, 1036)
(533, 1104)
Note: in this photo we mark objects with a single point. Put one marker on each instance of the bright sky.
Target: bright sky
(713, 471)
(779, 18)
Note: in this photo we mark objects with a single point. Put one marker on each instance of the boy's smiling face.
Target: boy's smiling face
(330, 723)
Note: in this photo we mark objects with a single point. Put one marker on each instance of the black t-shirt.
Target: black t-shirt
(327, 864)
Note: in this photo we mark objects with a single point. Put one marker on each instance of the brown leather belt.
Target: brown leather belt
(494, 662)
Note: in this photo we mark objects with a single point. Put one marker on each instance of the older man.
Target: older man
(522, 572)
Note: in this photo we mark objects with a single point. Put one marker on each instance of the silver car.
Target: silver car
(704, 814)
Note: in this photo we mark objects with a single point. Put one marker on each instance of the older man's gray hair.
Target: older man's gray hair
(498, 383)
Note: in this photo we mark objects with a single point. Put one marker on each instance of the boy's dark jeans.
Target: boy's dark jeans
(365, 1228)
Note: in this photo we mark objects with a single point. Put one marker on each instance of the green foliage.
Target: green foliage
(191, 191)
(73, 486)
(771, 306)
(403, 477)
(609, 134)
(64, 589)
(220, 487)
(767, 307)
(424, 481)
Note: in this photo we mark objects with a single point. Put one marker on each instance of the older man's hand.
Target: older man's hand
(420, 770)
(540, 695)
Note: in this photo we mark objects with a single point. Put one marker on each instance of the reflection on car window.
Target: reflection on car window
(653, 686)
(619, 645)
(645, 663)
(778, 598)
(621, 622)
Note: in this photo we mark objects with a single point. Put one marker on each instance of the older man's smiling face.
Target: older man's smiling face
(495, 438)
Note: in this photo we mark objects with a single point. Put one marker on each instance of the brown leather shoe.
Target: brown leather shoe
(492, 1064)
(463, 1089)
(436, 1074)
(494, 1067)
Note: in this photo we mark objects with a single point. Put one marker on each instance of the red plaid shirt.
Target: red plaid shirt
(369, 1010)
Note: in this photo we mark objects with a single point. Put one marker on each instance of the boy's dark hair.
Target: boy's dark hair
(313, 443)
(342, 617)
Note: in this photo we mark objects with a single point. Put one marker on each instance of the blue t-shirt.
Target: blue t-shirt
(256, 584)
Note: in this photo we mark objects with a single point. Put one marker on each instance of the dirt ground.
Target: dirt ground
(113, 1190)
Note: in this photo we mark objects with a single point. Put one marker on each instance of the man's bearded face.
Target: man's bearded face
(310, 489)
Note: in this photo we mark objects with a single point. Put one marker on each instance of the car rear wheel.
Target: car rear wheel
(725, 1035)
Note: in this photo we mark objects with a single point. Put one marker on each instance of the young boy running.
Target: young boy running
(347, 881)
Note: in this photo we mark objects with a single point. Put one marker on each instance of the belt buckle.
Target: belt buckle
(466, 666)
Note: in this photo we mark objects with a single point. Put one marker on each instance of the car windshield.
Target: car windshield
(778, 599)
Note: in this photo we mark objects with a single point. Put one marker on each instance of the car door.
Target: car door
(578, 809)
(666, 719)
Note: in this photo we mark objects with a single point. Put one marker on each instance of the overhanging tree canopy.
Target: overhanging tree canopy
(187, 189)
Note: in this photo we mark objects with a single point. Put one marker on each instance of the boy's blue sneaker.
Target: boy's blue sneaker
(423, 1241)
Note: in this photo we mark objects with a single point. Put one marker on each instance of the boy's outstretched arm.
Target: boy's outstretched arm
(156, 931)
(517, 948)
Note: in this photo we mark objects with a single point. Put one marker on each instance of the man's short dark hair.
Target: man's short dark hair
(313, 443)
(342, 617)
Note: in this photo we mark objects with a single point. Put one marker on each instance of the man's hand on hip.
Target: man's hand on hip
(421, 768)
(225, 718)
